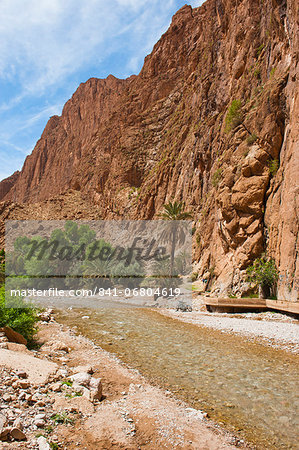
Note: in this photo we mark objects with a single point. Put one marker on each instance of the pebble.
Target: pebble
(43, 444)
(56, 387)
(40, 416)
(21, 374)
(17, 423)
(18, 434)
(40, 423)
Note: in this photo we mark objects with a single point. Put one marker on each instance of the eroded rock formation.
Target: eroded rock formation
(125, 147)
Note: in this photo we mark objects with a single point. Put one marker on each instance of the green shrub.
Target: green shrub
(62, 418)
(194, 276)
(272, 72)
(251, 139)
(68, 383)
(234, 116)
(54, 446)
(259, 50)
(216, 177)
(264, 273)
(257, 72)
(22, 319)
(273, 166)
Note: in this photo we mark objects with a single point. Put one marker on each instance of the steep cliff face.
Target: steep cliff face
(8, 183)
(131, 145)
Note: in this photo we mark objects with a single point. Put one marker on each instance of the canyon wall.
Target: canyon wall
(123, 148)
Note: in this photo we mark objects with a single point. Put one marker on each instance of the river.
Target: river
(247, 387)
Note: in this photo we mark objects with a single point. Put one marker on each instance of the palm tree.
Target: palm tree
(174, 212)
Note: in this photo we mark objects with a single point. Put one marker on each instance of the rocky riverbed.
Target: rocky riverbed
(270, 328)
(72, 394)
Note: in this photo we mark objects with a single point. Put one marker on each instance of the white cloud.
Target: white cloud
(44, 41)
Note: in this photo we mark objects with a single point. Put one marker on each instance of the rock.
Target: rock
(6, 398)
(40, 416)
(23, 384)
(3, 421)
(18, 423)
(62, 373)
(13, 336)
(22, 396)
(40, 423)
(45, 316)
(64, 360)
(40, 404)
(5, 433)
(43, 444)
(60, 346)
(18, 434)
(81, 378)
(21, 374)
(86, 393)
(95, 385)
(55, 346)
(87, 369)
(8, 182)
(56, 387)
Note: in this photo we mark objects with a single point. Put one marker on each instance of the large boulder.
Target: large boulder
(13, 336)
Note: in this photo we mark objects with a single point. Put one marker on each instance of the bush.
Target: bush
(234, 116)
(272, 72)
(259, 50)
(257, 72)
(273, 166)
(22, 319)
(194, 276)
(251, 139)
(216, 177)
(264, 273)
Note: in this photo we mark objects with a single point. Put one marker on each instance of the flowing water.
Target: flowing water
(248, 388)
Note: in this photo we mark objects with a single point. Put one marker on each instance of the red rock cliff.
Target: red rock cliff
(131, 145)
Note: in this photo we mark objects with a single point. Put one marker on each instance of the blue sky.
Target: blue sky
(48, 47)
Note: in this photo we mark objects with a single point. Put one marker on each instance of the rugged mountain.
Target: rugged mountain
(212, 119)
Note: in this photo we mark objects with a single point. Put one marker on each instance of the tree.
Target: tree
(177, 235)
(263, 272)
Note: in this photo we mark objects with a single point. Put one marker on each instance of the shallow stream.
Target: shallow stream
(247, 387)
